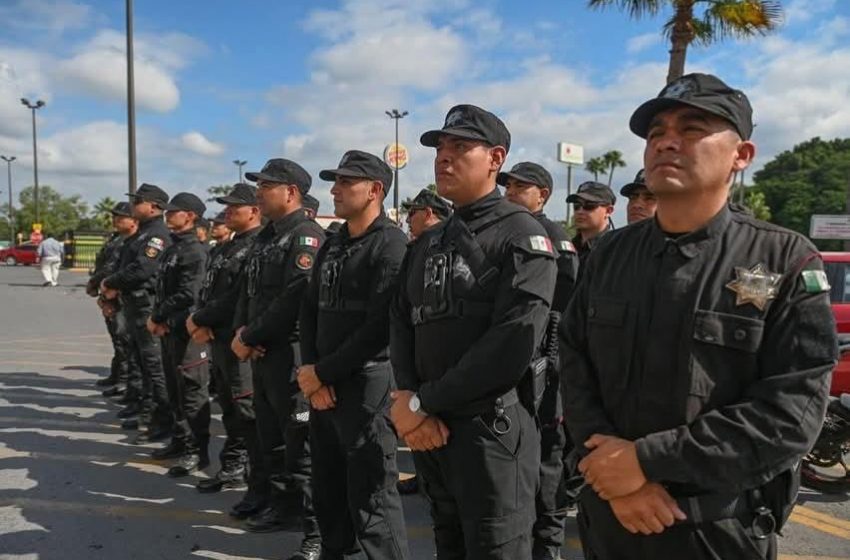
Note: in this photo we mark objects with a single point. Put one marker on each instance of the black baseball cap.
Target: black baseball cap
(702, 91)
(311, 203)
(242, 194)
(429, 199)
(591, 191)
(363, 165)
(187, 202)
(638, 183)
(202, 222)
(527, 172)
(122, 209)
(287, 172)
(150, 193)
(474, 123)
(218, 218)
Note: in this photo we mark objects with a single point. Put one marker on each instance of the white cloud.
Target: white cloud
(199, 144)
(640, 43)
(46, 15)
(803, 11)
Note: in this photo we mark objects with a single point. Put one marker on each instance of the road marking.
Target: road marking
(52, 391)
(132, 498)
(56, 352)
(12, 519)
(79, 412)
(213, 555)
(825, 517)
(16, 479)
(820, 525)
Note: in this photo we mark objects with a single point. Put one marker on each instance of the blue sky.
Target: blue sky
(218, 80)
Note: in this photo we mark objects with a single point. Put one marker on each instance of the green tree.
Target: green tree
(613, 159)
(701, 22)
(102, 212)
(217, 191)
(57, 213)
(430, 186)
(753, 200)
(595, 166)
(811, 178)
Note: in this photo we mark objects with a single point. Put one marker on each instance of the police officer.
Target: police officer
(697, 351)
(346, 372)
(311, 206)
(642, 201)
(202, 230)
(135, 280)
(124, 374)
(212, 323)
(185, 361)
(219, 232)
(426, 210)
(530, 185)
(593, 204)
(470, 315)
(278, 272)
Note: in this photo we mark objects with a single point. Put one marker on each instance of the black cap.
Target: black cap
(150, 193)
(242, 194)
(469, 121)
(284, 171)
(638, 183)
(702, 91)
(218, 218)
(122, 209)
(527, 172)
(591, 191)
(201, 222)
(429, 199)
(311, 203)
(187, 202)
(363, 165)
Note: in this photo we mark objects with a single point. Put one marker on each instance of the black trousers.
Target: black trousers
(284, 441)
(235, 396)
(482, 487)
(124, 367)
(551, 501)
(603, 538)
(148, 354)
(355, 471)
(187, 372)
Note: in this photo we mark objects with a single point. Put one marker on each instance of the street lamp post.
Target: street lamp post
(131, 102)
(396, 116)
(239, 163)
(11, 213)
(33, 107)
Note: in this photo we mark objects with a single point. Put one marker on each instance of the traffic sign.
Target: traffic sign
(830, 226)
(571, 154)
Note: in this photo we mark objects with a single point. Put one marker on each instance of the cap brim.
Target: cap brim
(332, 174)
(632, 187)
(502, 179)
(432, 137)
(231, 201)
(643, 115)
(575, 197)
(172, 208)
(258, 176)
(121, 214)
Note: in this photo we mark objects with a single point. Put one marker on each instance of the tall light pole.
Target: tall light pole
(33, 107)
(239, 163)
(11, 213)
(131, 103)
(396, 116)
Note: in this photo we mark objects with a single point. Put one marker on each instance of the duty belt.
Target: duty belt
(485, 406)
(460, 308)
(714, 507)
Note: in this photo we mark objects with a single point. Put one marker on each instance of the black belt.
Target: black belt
(485, 406)
(714, 507)
(461, 308)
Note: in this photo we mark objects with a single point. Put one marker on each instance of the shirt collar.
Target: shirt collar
(480, 207)
(690, 244)
(381, 222)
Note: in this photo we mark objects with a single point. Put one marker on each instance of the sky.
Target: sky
(218, 80)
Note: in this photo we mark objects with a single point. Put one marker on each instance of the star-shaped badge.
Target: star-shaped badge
(756, 285)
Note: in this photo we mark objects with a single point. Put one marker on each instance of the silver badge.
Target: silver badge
(755, 285)
(678, 89)
(454, 117)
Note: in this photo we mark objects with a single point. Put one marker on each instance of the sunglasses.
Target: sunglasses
(586, 206)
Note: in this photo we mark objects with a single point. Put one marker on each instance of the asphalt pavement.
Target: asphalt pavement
(73, 487)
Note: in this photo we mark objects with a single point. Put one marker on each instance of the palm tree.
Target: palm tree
(612, 160)
(102, 212)
(717, 20)
(595, 166)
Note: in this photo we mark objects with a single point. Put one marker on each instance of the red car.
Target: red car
(25, 253)
(837, 266)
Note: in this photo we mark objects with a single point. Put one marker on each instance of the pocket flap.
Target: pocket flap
(732, 331)
(607, 312)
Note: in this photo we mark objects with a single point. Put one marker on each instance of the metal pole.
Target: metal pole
(11, 213)
(131, 103)
(35, 166)
(569, 189)
(395, 181)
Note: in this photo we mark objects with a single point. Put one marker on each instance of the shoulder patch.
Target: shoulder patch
(156, 243)
(151, 252)
(567, 247)
(304, 261)
(540, 243)
(308, 241)
(815, 281)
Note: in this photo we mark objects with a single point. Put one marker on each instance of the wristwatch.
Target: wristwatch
(415, 405)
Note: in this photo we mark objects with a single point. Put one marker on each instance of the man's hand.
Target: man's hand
(324, 398)
(308, 381)
(155, 329)
(91, 288)
(106, 308)
(432, 433)
(191, 327)
(242, 351)
(202, 335)
(404, 419)
(107, 293)
(612, 468)
(649, 510)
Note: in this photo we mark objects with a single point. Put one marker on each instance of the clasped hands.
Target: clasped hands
(613, 470)
(156, 329)
(420, 431)
(200, 335)
(242, 350)
(321, 397)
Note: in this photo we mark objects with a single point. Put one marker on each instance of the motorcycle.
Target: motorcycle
(822, 467)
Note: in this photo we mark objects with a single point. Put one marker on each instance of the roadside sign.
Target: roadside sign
(571, 154)
(395, 152)
(830, 226)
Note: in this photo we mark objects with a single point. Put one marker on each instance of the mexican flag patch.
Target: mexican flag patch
(540, 243)
(815, 281)
(308, 241)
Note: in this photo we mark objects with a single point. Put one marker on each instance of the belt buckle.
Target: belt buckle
(763, 523)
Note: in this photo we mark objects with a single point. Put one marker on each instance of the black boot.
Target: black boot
(107, 381)
(408, 486)
(251, 504)
(541, 552)
(269, 520)
(310, 550)
(228, 477)
(173, 450)
(114, 391)
(189, 463)
(153, 433)
(130, 424)
(132, 409)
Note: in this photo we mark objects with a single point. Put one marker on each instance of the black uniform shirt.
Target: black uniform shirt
(220, 290)
(106, 261)
(460, 335)
(181, 273)
(345, 316)
(140, 256)
(276, 275)
(567, 262)
(663, 345)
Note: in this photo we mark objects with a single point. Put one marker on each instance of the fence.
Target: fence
(81, 248)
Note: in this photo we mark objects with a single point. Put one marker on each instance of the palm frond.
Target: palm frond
(742, 18)
(636, 8)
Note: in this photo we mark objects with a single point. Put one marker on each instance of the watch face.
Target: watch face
(414, 403)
